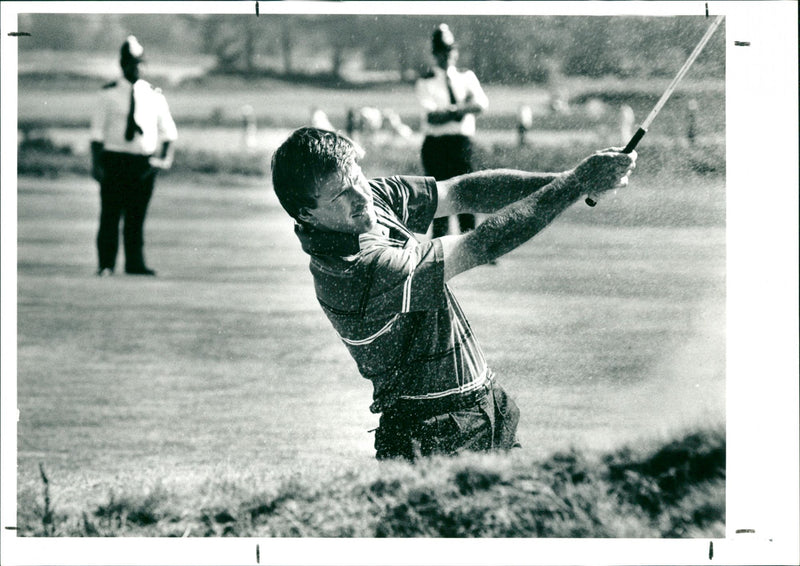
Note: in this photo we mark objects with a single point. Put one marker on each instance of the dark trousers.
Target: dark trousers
(444, 157)
(490, 424)
(124, 193)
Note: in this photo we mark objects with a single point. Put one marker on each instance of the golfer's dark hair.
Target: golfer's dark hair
(305, 158)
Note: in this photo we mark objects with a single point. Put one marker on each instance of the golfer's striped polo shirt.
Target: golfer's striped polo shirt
(385, 294)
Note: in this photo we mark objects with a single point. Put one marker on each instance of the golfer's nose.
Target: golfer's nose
(359, 193)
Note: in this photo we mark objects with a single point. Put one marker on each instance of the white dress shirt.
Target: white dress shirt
(433, 95)
(151, 113)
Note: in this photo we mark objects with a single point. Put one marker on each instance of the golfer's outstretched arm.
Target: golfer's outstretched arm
(488, 191)
(523, 205)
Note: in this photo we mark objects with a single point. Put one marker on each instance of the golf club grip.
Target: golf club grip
(590, 199)
(634, 140)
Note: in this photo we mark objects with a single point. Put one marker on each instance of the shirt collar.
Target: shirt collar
(323, 242)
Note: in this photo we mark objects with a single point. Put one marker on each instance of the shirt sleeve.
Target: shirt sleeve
(425, 97)
(409, 278)
(475, 91)
(99, 113)
(167, 130)
(412, 199)
(405, 280)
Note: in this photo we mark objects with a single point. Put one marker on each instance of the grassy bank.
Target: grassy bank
(669, 489)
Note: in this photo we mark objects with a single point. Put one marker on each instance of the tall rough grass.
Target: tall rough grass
(671, 489)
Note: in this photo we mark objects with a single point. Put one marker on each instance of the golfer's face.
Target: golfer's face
(345, 203)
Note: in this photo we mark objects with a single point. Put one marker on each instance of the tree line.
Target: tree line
(501, 49)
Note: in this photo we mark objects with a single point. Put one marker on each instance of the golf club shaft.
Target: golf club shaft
(591, 200)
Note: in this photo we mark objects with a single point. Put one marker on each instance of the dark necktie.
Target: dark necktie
(450, 89)
(132, 126)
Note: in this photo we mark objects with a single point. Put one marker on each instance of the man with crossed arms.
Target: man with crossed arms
(450, 99)
(386, 293)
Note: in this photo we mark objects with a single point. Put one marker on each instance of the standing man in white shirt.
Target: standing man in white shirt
(450, 100)
(130, 122)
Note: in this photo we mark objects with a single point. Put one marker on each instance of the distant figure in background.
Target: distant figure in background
(691, 121)
(524, 124)
(559, 102)
(396, 125)
(249, 127)
(450, 100)
(320, 120)
(374, 125)
(130, 120)
(370, 119)
(352, 122)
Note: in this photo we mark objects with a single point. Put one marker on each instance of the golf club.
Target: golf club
(591, 200)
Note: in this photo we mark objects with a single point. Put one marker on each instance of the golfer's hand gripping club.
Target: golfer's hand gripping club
(604, 170)
(591, 198)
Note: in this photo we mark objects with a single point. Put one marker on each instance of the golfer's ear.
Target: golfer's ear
(304, 216)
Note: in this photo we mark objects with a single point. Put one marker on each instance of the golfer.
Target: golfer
(386, 293)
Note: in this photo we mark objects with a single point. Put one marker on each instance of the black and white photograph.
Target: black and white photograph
(479, 282)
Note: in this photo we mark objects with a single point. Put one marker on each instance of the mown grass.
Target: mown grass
(665, 489)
